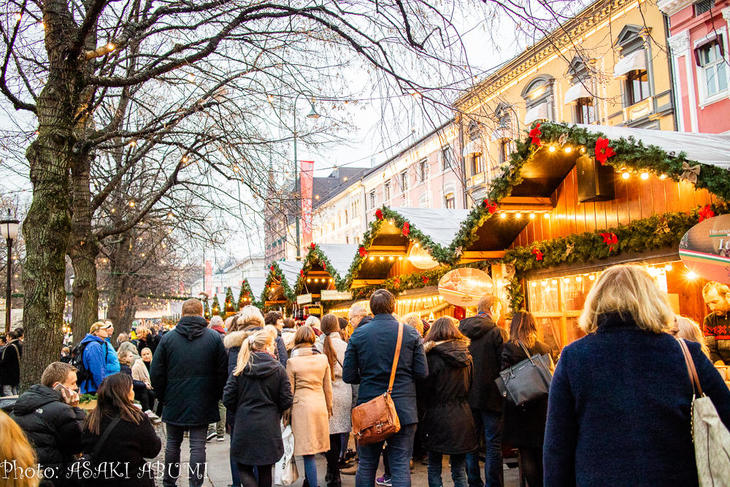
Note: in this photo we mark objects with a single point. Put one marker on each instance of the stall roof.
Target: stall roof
(439, 224)
(711, 149)
(257, 286)
(339, 255)
(290, 269)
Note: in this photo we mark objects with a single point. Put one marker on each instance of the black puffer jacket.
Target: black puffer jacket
(257, 397)
(52, 426)
(486, 351)
(448, 425)
(10, 363)
(189, 370)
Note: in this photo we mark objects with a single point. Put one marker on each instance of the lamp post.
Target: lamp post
(314, 115)
(9, 231)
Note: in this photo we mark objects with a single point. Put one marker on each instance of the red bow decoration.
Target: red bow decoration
(379, 214)
(537, 253)
(362, 251)
(406, 229)
(271, 268)
(706, 213)
(490, 206)
(603, 151)
(425, 279)
(301, 273)
(396, 282)
(610, 239)
(324, 266)
(535, 135)
(312, 245)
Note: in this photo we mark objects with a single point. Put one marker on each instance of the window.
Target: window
(637, 87)
(422, 170)
(713, 68)
(447, 158)
(538, 96)
(477, 164)
(404, 181)
(474, 131)
(504, 150)
(372, 199)
(423, 201)
(347, 239)
(703, 6)
(347, 219)
(386, 190)
(449, 201)
(585, 112)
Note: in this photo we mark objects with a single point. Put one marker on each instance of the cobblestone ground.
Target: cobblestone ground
(219, 474)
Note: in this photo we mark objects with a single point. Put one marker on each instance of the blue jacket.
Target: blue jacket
(94, 359)
(369, 357)
(619, 409)
(112, 360)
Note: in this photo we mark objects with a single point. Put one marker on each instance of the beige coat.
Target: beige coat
(309, 376)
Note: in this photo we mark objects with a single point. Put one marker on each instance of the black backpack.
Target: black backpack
(77, 360)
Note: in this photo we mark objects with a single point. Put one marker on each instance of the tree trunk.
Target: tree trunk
(119, 285)
(85, 292)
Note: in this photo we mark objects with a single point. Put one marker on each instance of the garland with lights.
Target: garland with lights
(276, 276)
(316, 256)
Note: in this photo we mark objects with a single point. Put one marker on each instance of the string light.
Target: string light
(518, 215)
(551, 148)
(132, 204)
(626, 175)
(503, 216)
(568, 149)
(691, 275)
(644, 176)
(547, 216)
(110, 46)
(18, 17)
(662, 176)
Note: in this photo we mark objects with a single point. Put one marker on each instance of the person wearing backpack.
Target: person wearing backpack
(91, 358)
(10, 363)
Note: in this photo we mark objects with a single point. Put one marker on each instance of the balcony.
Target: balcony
(476, 180)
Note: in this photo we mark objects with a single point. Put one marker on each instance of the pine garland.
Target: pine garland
(316, 256)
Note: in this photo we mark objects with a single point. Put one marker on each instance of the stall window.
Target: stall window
(447, 158)
(585, 112)
(713, 67)
(386, 190)
(449, 201)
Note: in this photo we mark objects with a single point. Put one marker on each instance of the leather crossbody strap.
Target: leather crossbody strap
(395, 358)
(691, 370)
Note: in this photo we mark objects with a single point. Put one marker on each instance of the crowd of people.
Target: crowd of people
(618, 410)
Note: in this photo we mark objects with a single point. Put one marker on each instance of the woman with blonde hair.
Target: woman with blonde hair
(619, 405)
(310, 377)
(21, 468)
(256, 395)
(689, 330)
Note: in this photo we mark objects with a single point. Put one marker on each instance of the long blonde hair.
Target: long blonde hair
(15, 446)
(630, 291)
(255, 342)
(689, 330)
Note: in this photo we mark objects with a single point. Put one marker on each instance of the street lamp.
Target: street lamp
(313, 115)
(9, 231)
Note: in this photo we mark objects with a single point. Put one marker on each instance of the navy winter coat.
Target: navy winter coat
(189, 370)
(619, 409)
(369, 358)
(486, 351)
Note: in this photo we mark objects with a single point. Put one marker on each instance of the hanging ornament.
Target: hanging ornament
(396, 282)
(379, 214)
(490, 206)
(301, 273)
(706, 213)
(610, 239)
(406, 229)
(538, 254)
(603, 151)
(569, 246)
(324, 266)
(271, 268)
(362, 251)
(535, 135)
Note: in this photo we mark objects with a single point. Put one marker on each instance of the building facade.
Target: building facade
(699, 53)
(606, 66)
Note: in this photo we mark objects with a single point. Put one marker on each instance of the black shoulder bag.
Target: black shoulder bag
(526, 381)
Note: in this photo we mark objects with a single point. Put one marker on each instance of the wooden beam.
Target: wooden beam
(366, 282)
(377, 250)
(474, 255)
(526, 204)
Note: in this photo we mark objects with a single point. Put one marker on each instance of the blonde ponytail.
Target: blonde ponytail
(255, 342)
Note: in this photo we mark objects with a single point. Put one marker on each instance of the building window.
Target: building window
(372, 199)
(585, 112)
(713, 67)
(477, 164)
(504, 150)
(538, 96)
(422, 170)
(347, 218)
(474, 131)
(447, 158)
(449, 201)
(637, 86)
(386, 190)
(423, 201)
(703, 6)
(404, 181)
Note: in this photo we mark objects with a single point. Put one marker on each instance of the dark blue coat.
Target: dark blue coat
(369, 358)
(619, 409)
(189, 370)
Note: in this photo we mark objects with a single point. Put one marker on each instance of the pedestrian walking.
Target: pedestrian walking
(619, 406)
(94, 356)
(524, 426)
(14, 445)
(10, 358)
(311, 382)
(256, 395)
(484, 397)
(287, 334)
(145, 339)
(130, 437)
(49, 416)
(188, 373)
(368, 361)
(340, 423)
(448, 425)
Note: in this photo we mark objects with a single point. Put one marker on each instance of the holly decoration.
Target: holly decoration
(490, 206)
(312, 245)
(324, 266)
(535, 135)
(362, 251)
(379, 214)
(301, 273)
(406, 229)
(706, 213)
(271, 268)
(603, 151)
(538, 254)
(425, 279)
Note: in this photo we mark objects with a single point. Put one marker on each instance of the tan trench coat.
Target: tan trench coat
(310, 379)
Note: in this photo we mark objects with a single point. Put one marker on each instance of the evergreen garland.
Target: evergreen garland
(206, 309)
(316, 256)
(276, 275)
(228, 307)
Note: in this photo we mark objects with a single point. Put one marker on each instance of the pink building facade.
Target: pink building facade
(698, 41)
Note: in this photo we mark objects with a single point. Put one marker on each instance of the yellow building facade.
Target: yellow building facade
(607, 66)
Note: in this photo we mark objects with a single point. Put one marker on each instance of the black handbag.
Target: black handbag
(526, 381)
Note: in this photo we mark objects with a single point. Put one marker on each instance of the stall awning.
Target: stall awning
(538, 112)
(636, 61)
(257, 286)
(576, 92)
(290, 269)
(439, 224)
(340, 256)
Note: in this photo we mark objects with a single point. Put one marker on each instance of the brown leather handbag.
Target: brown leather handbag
(377, 419)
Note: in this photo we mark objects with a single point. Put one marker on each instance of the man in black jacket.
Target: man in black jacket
(48, 415)
(189, 370)
(10, 363)
(484, 398)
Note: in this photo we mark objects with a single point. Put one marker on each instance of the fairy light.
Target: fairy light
(391, 258)
(18, 17)
(691, 275)
(547, 216)
(551, 148)
(668, 267)
(132, 204)
(518, 215)
(626, 175)
(662, 176)
(110, 46)
(592, 277)
(568, 149)
(644, 176)
(532, 216)
(503, 216)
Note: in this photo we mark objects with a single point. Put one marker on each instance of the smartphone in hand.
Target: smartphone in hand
(70, 396)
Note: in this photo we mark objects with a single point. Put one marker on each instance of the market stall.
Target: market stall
(323, 270)
(278, 291)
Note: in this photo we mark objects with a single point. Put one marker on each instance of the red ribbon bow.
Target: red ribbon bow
(610, 239)
(379, 214)
(312, 245)
(324, 266)
(362, 251)
(490, 206)
(406, 229)
(537, 253)
(535, 135)
(425, 279)
(271, 268)
(301, 273)
(603, 151)
(706, 213)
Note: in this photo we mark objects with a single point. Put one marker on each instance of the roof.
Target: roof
(257, 285)
(439, 224)
(339, 179)
(290, 269)
(339, 255)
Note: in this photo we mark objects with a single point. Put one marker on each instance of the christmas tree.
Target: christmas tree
(244, 297)
(229, 307)
(216, 309)
(206, 309)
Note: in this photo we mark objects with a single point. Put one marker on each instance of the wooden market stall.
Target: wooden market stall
(278, 291)
(323, 270)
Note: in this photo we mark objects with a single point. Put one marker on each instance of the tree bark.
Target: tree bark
(85, 291)
(119, 289)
